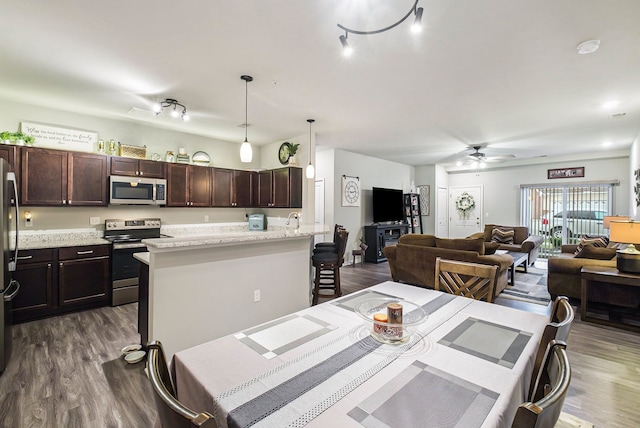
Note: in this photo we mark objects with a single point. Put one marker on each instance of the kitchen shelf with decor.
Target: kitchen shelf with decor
(413, 212)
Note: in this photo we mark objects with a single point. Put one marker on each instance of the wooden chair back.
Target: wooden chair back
(562, 315)
(341, 245)
(171, 412)
(545, 411)
(473, 280)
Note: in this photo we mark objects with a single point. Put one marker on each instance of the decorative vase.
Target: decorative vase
(292, 161)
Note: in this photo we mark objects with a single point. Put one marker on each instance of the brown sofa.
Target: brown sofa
(413, 259)
(522, 241)
(564, 278)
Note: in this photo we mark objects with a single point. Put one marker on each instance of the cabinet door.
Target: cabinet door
(295, 187)
(281, 188)
(177, 185)
(44, 177)
(222, 187)
(124, 166)
(151, 169)
(87, 179)
(199, 186)
(36, 297)
(9, 153)
(265, 188)
(243, 188)
(84, 282)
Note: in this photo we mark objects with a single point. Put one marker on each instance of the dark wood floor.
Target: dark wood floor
(67, 371)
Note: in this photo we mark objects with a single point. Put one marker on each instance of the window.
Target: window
(561, 214)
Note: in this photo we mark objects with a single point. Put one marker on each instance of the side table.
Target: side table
(605, 275)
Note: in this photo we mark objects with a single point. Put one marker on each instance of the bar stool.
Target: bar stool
(327, 264)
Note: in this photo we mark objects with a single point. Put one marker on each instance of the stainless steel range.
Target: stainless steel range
(126, 236)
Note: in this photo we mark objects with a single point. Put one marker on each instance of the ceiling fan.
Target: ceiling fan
(481, 158)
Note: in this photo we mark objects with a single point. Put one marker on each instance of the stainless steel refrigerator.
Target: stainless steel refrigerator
(9, 287)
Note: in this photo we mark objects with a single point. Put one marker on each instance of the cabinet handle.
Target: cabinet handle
(25, 257)
(48, 265)
(141, 173)
(84, 252)
(61, 264)
(64, 202)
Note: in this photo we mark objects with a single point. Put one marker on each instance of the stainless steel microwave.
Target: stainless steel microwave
(137, 191)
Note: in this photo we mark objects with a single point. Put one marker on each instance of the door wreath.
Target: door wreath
(465, 204)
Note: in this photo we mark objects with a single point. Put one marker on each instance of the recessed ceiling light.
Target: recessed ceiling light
(590, 46)
(610, 104)
(606, 144)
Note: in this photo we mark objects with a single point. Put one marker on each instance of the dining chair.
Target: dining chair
(473, 280)
(171, 412)
(545, 410)
(327, 265)
(558, 328)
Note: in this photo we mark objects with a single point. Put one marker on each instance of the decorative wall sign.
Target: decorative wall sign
(424, 190)
(56, 137)
(350, 191)
(565, 173)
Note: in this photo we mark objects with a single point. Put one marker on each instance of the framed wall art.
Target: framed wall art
(350, 191)
(424, 190)
(565, 173)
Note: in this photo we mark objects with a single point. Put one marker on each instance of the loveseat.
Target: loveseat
(564, 277)
(522, 241)
(413, 259)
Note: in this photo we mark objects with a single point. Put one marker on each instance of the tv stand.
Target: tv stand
(377, 236)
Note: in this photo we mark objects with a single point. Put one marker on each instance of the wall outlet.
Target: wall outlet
(206, 218)
(28, 222)
(256, 295)
(94, 220)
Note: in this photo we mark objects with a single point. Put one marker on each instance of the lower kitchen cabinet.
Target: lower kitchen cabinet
(83, 276)
(37, 295)
(55, 281)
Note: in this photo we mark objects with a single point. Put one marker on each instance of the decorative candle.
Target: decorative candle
(377, 319)
(394, 314)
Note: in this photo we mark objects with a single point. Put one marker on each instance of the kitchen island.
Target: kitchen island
(209, 284)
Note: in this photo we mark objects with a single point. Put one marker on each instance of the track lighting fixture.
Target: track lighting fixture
(310, 171)
(416, 27)
(246, 153)
(177, 109)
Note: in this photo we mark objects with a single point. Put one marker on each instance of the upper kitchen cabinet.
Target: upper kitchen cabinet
(137, 167)
(233, 188)
(188, 185)
(280, 188)
(10, 154)
(56, 177)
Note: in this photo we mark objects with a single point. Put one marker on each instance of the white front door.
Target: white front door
(465, 211)
(442, 228)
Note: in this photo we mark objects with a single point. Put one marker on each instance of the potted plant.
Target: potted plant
(363, 245)
(293, 149)
(16, 138)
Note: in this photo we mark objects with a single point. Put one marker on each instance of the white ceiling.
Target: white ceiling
(504, 72)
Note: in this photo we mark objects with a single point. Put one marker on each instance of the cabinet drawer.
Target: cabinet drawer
(71, 253)
(35, 256)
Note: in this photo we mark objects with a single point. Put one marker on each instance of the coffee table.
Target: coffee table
(518, 259)
(608, 275)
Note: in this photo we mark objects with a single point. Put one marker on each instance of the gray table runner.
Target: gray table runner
(270, 401)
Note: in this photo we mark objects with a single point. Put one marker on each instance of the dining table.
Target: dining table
(468, 364)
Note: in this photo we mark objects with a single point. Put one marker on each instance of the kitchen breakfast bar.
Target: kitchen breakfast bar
(205, 284)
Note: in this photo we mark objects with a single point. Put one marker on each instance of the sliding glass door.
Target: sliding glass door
(563, 213)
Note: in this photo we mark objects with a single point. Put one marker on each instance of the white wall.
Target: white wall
(373, 172)
(502, 186)
(222, 153)
(634, 165)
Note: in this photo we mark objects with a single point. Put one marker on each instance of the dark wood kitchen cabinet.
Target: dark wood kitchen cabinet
(56, 177)
(84, 276)
(233, 188)
(12, 155)
(280, 188)
(188, 185)
(137, 167)
(37, 296)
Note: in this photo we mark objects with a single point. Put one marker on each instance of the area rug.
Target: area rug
(529, 287)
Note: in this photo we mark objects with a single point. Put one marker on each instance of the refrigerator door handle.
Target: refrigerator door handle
(12, 263)
(9, 297)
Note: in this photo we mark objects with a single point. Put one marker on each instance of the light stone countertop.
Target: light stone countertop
(199, 236)
(38, 239)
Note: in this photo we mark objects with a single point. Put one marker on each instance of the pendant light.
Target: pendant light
(310, 172)
(246, 153)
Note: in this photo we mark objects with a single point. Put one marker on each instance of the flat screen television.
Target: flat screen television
(387, 205)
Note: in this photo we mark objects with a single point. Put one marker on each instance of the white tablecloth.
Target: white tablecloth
(469, 365)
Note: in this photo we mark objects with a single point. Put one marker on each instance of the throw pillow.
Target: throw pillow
(597, 253)
(502, 235)
(596, 241)
(464, 244)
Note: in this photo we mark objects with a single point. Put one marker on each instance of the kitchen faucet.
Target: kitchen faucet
(295, 216)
